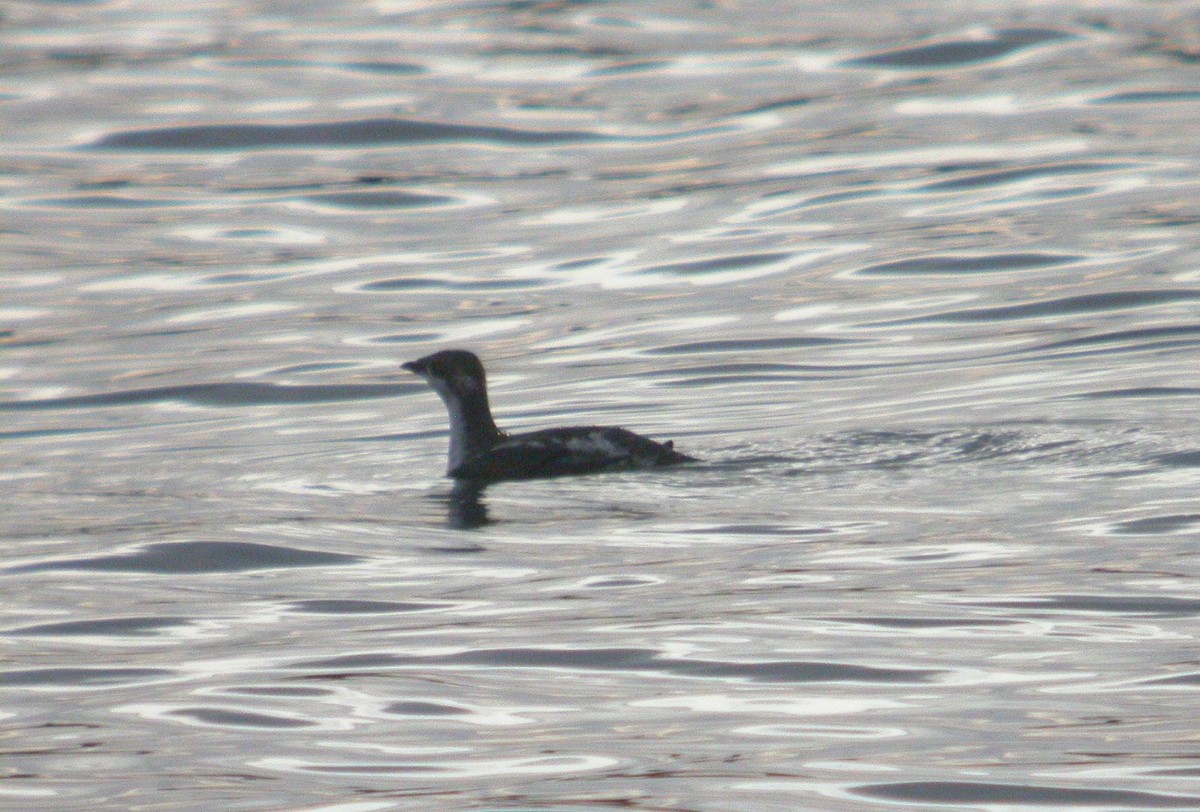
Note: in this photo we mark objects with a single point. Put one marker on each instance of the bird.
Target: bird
(482, 453)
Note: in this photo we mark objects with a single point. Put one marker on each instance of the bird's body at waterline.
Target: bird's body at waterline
(481, 452)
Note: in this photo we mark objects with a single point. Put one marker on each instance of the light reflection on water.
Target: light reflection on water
(924, 305)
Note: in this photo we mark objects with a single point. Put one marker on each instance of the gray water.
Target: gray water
(918, 283)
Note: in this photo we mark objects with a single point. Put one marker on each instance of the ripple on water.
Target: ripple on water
(925, 623)
(910, 450)
(419, 708)
(271, 235)
(195, 557)
(382, 199)
(220, 394)
(237, 718)
(629, 581)
(97, 201)
(386, 67)
(275, 691)
(448, 283)
(365, 66)
(786, 204)
(105, 627)
(970, 792)
(347, 606)
(1141, 392)
(969, 264)
(1179, 459)
(1157, 525)
(577, 215)
(1144, 338)
(631, 660)
(445, 768)
(379, 131)
(743, 345)
(925, 157)
(1000, 177)
(325, 366)
(1191, 680)
(1154, 605)
(958, 53)
(1069, 305)
(713, 270)
(1149, 97)
(717, 264)
(82, 678)
(399, 338)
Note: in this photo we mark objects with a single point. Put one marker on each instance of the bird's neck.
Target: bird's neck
(472, 429)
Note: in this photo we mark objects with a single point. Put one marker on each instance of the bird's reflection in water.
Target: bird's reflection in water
(465, 508)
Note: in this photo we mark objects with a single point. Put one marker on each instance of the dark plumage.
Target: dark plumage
(481, 452)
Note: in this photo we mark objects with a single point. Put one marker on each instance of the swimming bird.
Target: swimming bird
(480, 452)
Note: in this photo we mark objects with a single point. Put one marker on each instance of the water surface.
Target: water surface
(918, 285)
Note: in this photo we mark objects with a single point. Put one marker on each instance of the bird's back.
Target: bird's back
(564, 451)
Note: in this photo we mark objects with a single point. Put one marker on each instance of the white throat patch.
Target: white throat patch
(458, 422)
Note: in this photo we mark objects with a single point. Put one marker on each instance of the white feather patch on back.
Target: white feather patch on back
(596, 442)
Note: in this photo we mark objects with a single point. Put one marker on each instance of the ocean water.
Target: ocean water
(919, 284)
